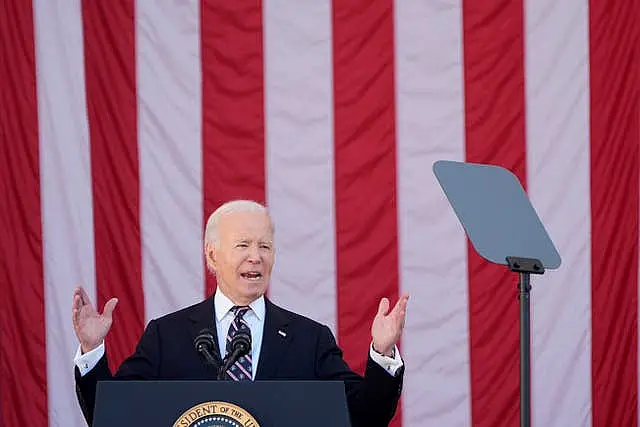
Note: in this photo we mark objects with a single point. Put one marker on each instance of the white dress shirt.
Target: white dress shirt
(254, 318)
(223, 317)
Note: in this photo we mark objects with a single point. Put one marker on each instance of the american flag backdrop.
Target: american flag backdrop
(125, 123)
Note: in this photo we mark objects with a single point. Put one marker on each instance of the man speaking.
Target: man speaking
(267, 341)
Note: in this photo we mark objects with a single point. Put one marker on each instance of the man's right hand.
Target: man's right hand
(90, 326)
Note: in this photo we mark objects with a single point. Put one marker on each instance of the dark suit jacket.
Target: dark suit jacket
(308, 352)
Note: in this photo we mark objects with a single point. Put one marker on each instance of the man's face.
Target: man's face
(244, 257)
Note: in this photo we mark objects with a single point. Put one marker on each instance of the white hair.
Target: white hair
(211, 232)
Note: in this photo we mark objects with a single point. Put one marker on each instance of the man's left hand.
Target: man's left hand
(387, 326)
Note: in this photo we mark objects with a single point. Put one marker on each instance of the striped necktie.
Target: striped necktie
(241, 369)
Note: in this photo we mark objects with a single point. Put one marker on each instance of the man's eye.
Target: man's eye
(241, 245)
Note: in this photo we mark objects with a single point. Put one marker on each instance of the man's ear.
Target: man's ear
(210, 256)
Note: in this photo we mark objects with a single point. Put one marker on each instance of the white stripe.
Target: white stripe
(299, 140)
(67, 216)
(433, 259)
(557, 105)
(169, 108)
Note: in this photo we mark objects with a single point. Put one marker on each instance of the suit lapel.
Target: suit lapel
(202, 318)
(275, 340)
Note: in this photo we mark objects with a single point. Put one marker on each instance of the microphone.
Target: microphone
(240, 346)
(204, 345)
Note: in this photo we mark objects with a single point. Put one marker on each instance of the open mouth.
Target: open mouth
(252, 275)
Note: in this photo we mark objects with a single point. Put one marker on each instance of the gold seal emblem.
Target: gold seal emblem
(216, 414)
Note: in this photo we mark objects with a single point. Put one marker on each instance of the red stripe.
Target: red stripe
(495, 134)
(614, 37)
(23, 360)
(365, 170)
(232, 104)
(109, 37)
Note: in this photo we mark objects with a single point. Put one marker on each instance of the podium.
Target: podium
(207, 403)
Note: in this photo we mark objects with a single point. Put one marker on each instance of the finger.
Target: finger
(404, 300)
(109, 307)
(399, 312)
(404, 304)
(383, 307)
(401, 304)
(77, 293)
(75, 311)
(77, 303)
(85, 296)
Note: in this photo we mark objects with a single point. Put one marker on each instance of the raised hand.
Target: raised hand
(387, 328)
(90, 326)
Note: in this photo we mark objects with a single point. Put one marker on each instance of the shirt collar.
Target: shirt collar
(223, 305)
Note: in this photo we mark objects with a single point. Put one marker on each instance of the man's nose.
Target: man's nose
(254, 255)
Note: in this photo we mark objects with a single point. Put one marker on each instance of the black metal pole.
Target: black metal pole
(524, 287)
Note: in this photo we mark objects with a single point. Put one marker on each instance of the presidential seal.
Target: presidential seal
(216, 414)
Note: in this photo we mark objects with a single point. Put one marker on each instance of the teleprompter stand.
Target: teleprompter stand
(525, 267)
(503, 228)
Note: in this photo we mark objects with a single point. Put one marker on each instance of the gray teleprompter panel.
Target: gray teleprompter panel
(495, 212)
